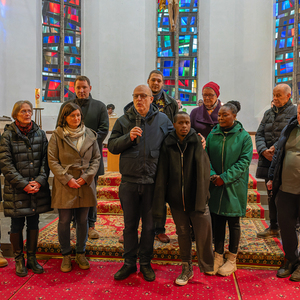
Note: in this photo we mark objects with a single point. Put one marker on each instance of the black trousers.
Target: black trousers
(288, 206)
(272, 209)
(219, 230)
(136, 201)
(17, 224)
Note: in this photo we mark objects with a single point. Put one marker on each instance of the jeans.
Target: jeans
(288, 206)
(160, 225)
(17, 224)
(136, 201)
(219, 231)
(203, 235)
(272, 209)
(63, 228)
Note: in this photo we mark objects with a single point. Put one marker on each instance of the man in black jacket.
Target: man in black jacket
(137, 136)
(183, 177)
(168, 106)
(95, 117)
(267, 135)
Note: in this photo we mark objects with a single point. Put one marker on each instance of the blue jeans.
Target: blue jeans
(63, 228)
(136, 201)
(17, 224)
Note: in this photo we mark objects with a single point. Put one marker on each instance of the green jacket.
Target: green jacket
(230, 156)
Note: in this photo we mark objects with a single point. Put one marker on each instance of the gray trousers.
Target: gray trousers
(203, 236)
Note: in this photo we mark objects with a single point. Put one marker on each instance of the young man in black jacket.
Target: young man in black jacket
(183, 176)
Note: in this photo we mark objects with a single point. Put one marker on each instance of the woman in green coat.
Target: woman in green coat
(229, 148)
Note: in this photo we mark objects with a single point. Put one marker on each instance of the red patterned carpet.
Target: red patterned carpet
(98, 283)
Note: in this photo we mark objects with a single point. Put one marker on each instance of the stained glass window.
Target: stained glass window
(284, 41)
(51, 48)
(188, 51)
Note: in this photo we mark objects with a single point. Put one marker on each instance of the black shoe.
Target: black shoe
(296, 275)
(125, 271)
(21, 270)
(285, 270)
(34, 265)
(148, 272)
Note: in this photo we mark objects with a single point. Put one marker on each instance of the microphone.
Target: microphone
(138, 123)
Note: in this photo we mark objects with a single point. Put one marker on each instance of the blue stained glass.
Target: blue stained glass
(192, 21)
(72, 60)
(167, 44)
(284, 28)
(184, 21)
(166, 72)
(277, 22)
(276, 73)
(46, 69)
(165, 21)
(279, 79)
(45, 40)
(74, 50)
(275, 43)
(283, 34)
(289, 42)
(285, 79)
(285, 5)
(56, 39)
(186, 63)
(289, 67)
(183, 29)
(291, 21)
(282, 69)
(168, 63)
(282, 44)
(72, 26)
(180, 71)
(284, 22)
(68, 39)
(289, 55)
(196, 3)
(54, 70)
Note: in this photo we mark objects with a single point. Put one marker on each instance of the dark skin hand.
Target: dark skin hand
(216, 180)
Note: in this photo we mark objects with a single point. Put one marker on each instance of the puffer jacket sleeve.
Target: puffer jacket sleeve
(53, 160)
(91, 171)
(212, 171)
(42, 178)
(119, 140)
(260, 139)
(7, 166)
(238, 169)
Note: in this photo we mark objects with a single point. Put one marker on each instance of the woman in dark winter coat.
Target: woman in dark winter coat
(23, 162)
(74, 159)
(229, 148)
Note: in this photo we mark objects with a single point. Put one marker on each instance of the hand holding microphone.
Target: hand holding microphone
(136, 132)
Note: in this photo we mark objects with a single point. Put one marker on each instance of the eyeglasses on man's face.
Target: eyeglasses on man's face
(143, 96)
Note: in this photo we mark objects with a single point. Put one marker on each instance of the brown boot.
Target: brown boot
(3, 261)
(31, 245)
(16, 240)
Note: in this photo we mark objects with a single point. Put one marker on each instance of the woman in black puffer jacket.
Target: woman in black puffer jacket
(23, 162)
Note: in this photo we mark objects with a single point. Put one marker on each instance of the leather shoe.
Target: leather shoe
(148, 272)
(286, 270)
(163, 238)
(268, 233)
(125, 271)
(296, 274)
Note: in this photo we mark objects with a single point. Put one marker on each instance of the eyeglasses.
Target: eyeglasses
(24, 112)
(143, 96)
(208, 95)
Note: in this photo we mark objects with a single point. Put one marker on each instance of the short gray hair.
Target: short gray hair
(17, 107)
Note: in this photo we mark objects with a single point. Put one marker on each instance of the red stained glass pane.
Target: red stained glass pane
(55, 8)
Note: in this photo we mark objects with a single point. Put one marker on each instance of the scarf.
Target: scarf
(77, 136)
(211, 109)
(157, 96)
(24, 129)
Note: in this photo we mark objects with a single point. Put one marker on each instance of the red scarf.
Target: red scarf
(24, 129)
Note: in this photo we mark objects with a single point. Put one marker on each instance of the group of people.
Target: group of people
(198, 164)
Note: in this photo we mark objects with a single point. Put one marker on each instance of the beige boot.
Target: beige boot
(218, 262)
(229, 267)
